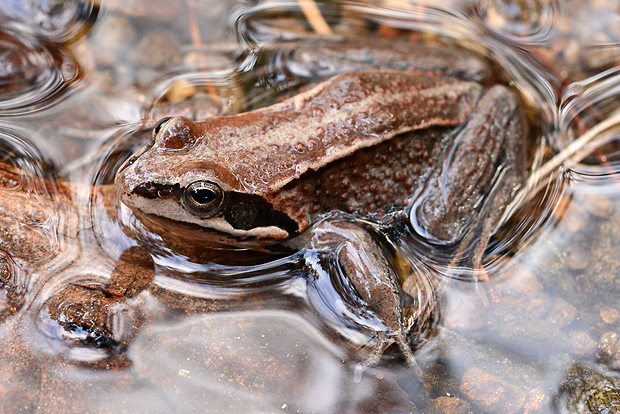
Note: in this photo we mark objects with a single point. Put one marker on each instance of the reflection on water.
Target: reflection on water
(32, 76)
(97, 313)
(56, 21)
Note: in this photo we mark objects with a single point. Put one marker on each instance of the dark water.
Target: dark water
(99, 315)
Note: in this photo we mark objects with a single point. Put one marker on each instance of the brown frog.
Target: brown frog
(413, 131)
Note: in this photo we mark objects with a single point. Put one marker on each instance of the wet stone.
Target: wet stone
(562, 313)
(491, 393)
(589, 389)
(89, 318)
(449, 405)
(608, 351)
(581, 344)
(609, 315)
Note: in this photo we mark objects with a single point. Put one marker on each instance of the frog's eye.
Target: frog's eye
(203, 198)
(160, 125)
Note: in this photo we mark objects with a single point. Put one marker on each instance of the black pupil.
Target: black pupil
(203, 196)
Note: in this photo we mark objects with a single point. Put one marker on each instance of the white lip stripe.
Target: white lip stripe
(171, 209)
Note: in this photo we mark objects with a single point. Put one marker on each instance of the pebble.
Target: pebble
(491, 393)
(581, 343)
(450, 405)
(609, 315)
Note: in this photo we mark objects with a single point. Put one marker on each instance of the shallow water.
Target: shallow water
(81, 87)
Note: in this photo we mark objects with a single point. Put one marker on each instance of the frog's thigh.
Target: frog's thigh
(494, 141)
(499, 123)
(483, 168)
(369, 270)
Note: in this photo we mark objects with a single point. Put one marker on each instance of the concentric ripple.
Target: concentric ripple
(32, 75)
(533, 21)
(58, 21)
(32, 204)
(13, 286)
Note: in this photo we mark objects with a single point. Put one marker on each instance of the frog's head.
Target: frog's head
(178, 179)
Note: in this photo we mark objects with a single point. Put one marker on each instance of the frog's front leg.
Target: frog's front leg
(369, 272)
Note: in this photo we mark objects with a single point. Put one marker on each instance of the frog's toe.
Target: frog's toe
(374, 358)
(408, 353)
(382, 343)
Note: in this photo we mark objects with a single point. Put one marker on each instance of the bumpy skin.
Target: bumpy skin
(374, 180)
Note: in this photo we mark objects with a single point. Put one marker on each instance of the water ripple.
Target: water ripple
(531, 21)
(584, 102)
(77, 320)
(13, 286)
(57, 21)
(32, 75)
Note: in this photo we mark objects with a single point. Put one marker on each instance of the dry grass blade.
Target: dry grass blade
(197, 42)
(570, 156)
(314, 16)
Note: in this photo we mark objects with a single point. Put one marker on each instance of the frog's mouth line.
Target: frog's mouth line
(244, 213)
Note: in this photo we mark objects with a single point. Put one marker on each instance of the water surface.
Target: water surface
(81, 87)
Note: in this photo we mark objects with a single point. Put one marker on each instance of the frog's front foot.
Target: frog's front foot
(382, 342)
(372, 280)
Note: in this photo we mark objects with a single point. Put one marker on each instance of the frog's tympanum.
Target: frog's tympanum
(415, 128)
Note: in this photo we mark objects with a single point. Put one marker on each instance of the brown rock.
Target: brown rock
(491, 393)
(450, 405)
(609, 314)
(562, 313)
(609, 349)
(581, 343)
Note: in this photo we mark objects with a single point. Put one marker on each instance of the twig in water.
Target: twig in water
(197, 42)
(570, 156)
(314, 16)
